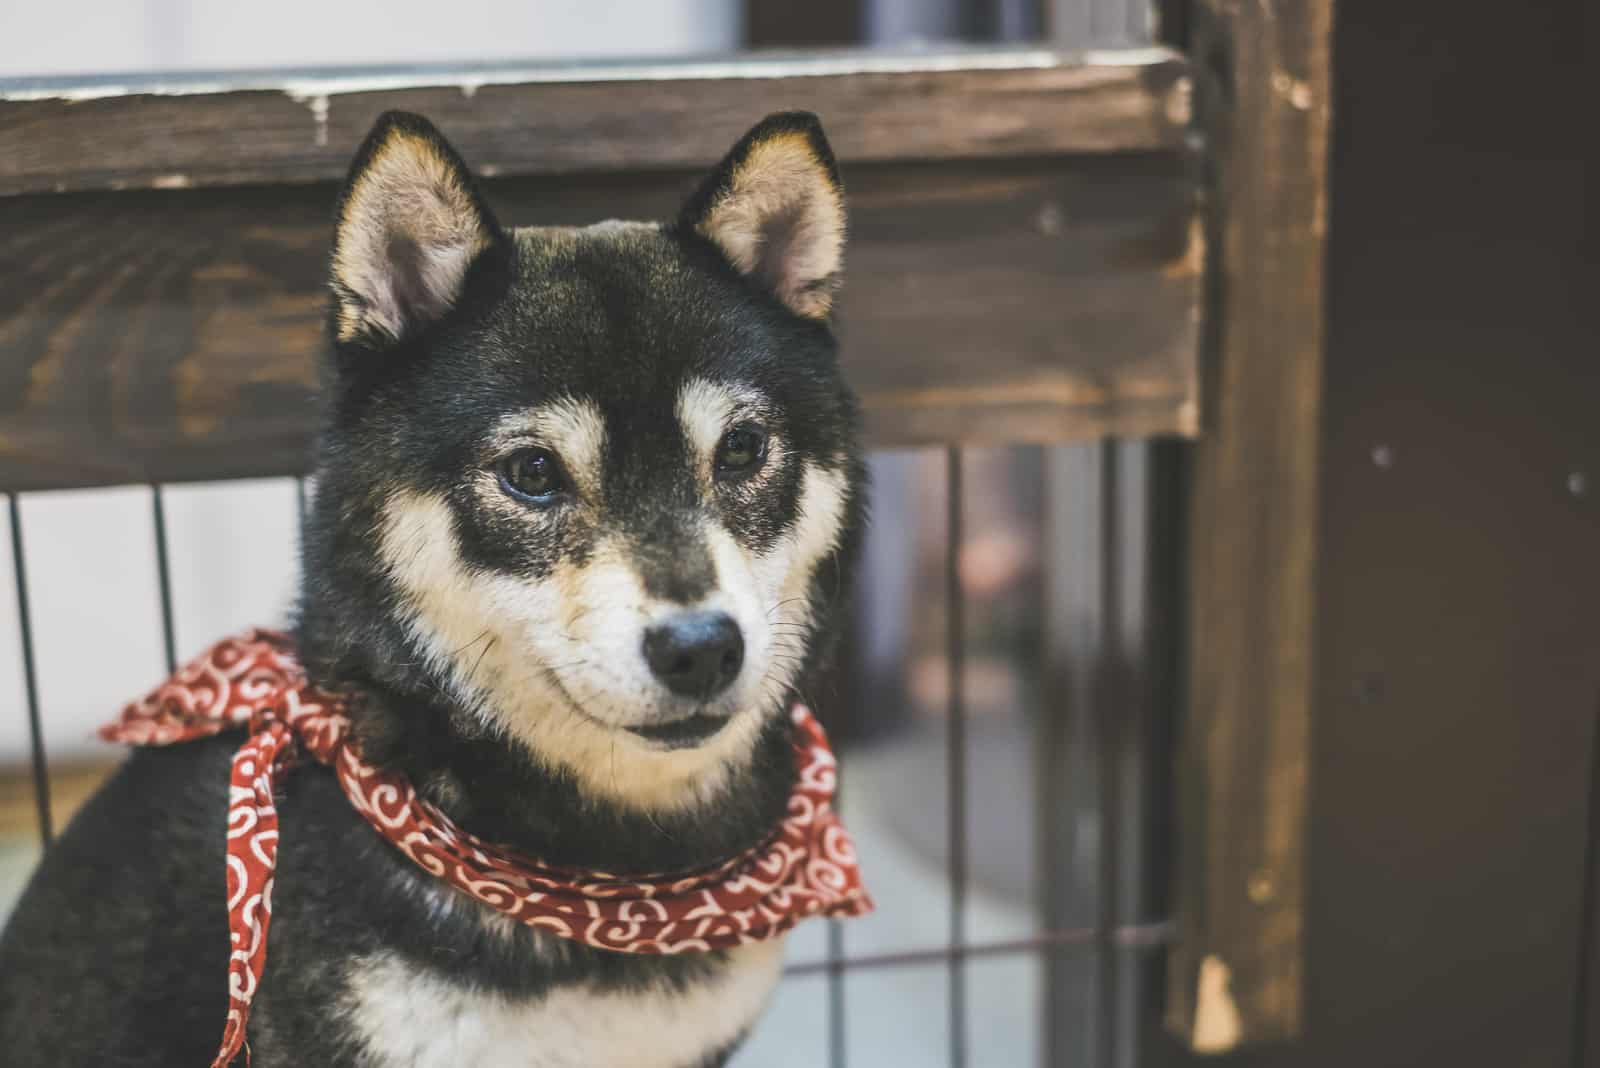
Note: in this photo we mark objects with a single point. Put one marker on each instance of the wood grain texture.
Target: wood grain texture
(173, 335)
(962, 104)
(1237, 974)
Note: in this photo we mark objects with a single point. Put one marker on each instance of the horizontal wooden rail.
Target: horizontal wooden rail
(130, 133)
(1027, 270)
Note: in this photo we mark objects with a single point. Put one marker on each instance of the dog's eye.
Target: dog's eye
(740, 451)
(532, 475)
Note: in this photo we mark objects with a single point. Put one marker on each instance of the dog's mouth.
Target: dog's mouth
(685, 732)
(681, 733)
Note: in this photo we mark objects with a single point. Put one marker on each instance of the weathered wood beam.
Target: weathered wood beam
(143, 133)
(172, 335)
(1237, 973)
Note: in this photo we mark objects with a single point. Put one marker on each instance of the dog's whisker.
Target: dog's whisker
(780, 604)
(481, 635)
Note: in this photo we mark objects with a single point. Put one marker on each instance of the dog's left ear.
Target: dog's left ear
(411, 222)
(775, 209)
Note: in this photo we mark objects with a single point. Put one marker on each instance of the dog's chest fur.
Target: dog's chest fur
(404, 1016)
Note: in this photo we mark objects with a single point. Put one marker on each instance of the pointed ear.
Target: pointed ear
(410, 224)
(775, 209)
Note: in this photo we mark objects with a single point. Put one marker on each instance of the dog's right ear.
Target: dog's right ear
(410, 224)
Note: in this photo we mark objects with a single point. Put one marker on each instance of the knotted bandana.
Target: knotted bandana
(806, 868)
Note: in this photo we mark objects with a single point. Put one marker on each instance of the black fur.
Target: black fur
(116, 953)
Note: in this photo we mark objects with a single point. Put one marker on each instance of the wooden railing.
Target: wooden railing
(1024, 262)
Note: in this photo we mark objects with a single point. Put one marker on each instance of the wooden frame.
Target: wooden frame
(1237, 973)
(166, 316)
(964, 103)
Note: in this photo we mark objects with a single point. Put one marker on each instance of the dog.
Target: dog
(586, 505)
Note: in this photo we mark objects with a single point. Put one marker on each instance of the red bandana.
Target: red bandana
(807, 868)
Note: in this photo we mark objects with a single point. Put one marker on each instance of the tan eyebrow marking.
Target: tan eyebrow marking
(707, 409)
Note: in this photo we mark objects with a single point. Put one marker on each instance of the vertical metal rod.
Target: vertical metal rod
(1109, 707)
(41, 767)
(955, 655)
(1072, 765)
(837, 1057)
(169, 644)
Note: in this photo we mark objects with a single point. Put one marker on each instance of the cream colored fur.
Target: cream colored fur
(782, 219)
(408, 193)
(411, 1018)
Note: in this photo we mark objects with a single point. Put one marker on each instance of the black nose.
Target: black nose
(695, 654)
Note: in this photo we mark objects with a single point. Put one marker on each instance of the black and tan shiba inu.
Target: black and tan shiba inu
(585, 500)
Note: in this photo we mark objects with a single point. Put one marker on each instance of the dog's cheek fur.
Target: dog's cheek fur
(788, 568)
(763, 509)
(505, 642)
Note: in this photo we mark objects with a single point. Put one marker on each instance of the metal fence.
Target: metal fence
(1029, 798)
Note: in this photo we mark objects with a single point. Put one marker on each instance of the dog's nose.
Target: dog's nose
(695, 654)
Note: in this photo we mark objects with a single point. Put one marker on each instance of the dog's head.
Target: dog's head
(586, 493)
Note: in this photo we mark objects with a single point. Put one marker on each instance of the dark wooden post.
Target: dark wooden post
(1237, 974)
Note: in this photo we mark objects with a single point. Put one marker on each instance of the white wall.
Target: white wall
(95, 607)
(104, 36)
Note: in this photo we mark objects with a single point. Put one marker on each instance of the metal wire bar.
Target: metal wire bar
(1109, 706)
(169, 644)
(956, 753)
(1128, 937)
(1072, 759)
(835, 965)
(30, 678)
